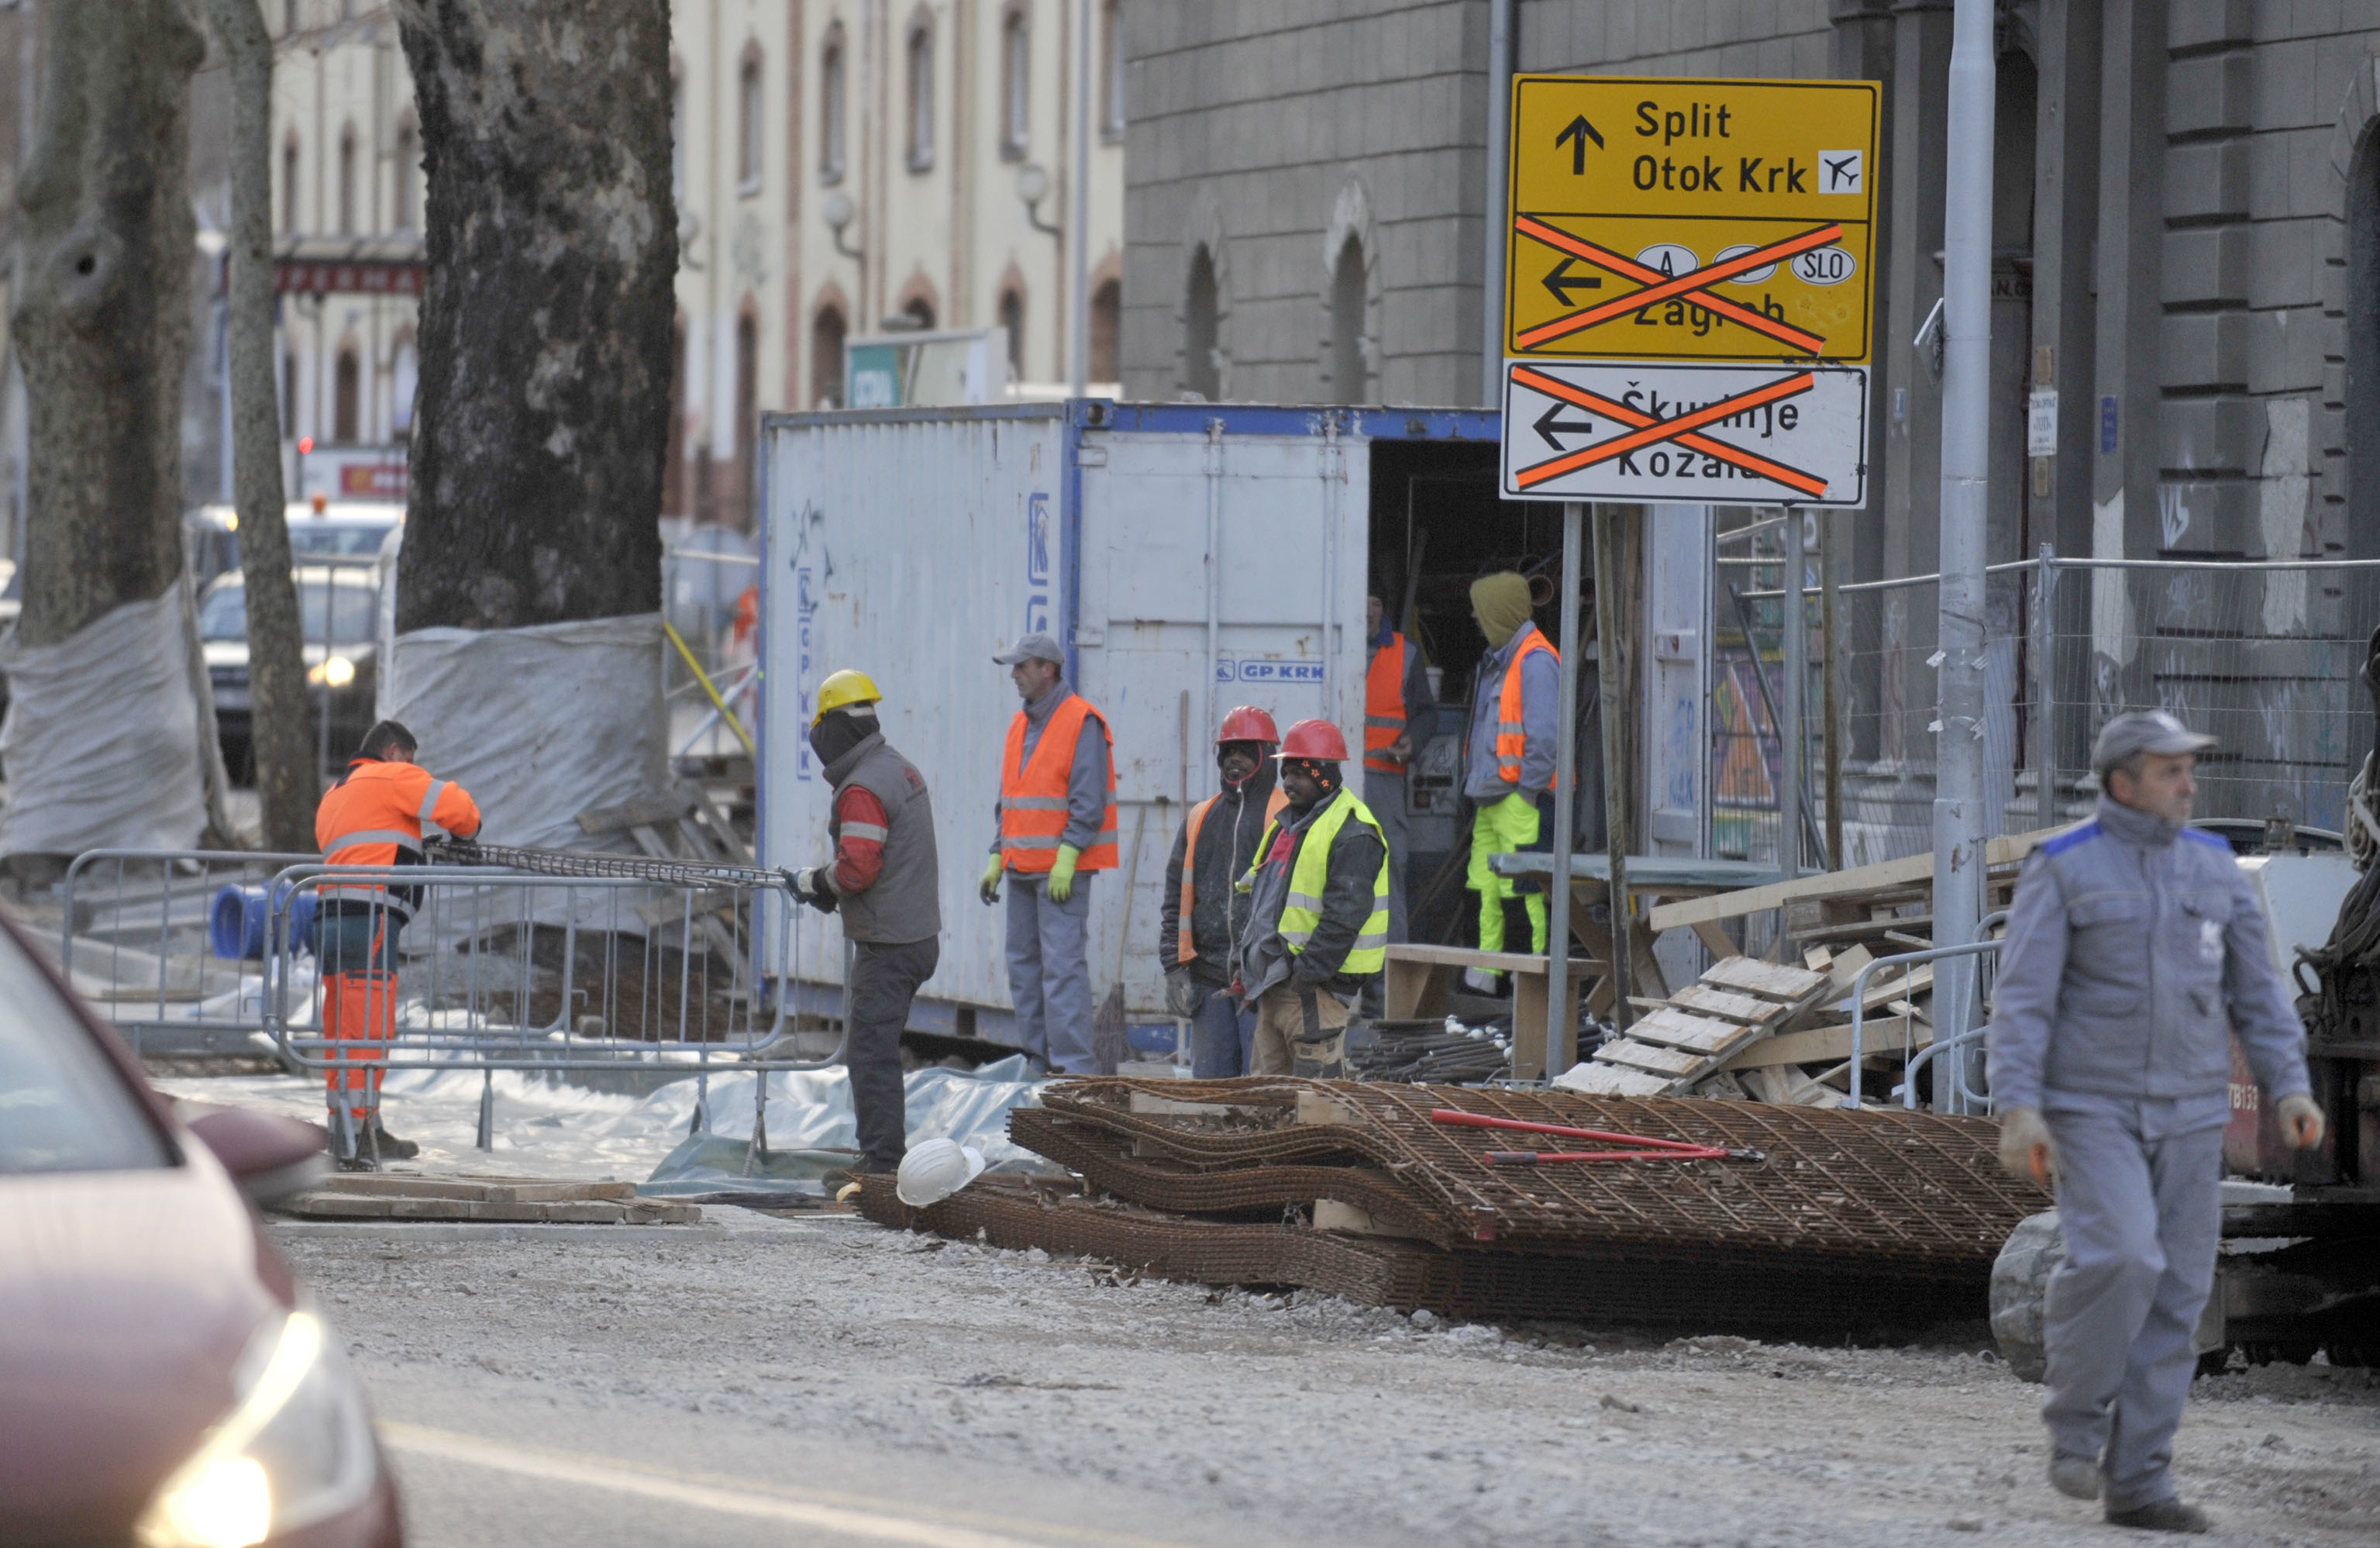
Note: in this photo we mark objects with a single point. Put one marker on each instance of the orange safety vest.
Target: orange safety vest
(376, 814)
(1510, 734)
(1384, 705)
(1183, 948)
(1033, 799)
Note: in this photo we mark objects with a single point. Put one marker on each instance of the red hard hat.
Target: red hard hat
(1246, 724)
(1315, 738)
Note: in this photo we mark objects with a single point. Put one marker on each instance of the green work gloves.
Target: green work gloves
(1061, 876)
(988, 888)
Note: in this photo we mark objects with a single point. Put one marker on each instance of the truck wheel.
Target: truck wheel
(2020, 1283)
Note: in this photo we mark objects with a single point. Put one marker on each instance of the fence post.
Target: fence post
(2045, 687)
(1789, 850)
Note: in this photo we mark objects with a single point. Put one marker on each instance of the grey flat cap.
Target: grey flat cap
(1033, 647)
(2141, 731)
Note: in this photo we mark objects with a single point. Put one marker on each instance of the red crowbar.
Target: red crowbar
(1647, 1147)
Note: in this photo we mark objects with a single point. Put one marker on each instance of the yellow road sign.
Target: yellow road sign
(1653, 218)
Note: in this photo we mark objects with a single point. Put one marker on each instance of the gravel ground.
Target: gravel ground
(1242, 1418)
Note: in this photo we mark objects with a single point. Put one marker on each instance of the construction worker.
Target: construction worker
(2135, 950)
(1508, 757)
(376, 815)
(884, 881)
(1317, 926)
(1203, 909)
(1398, 714)
(1057, 826)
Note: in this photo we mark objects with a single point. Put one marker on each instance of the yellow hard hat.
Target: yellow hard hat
(841, 691)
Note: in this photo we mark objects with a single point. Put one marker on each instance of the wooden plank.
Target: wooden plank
(1905, 871)
(1165, 1106)
(1704, 1036)
(1711, 935)
(1600, 1080)
(1466, 957)
(637, 814)
(1864, 930)
(1772, 980)
(1332, 1215)
(1818, 1044)
(1703, 1000)
(1675, 1063)
(1321, 1107)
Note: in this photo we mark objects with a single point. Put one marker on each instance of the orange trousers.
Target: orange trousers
(358, 1020)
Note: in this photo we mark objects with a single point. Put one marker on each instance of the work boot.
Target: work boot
(2077, 1478)
(1481, 980)
(2161, 1516)
(391, 1148)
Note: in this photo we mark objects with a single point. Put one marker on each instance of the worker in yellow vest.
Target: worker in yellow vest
(1057, 826)
(1203, 910)
(1508, 766)
(1399, 713)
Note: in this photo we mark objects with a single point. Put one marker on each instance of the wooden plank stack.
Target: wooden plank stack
(1677, 1045)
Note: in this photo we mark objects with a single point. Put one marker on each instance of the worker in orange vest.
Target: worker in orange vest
(1508, 766)
(1203, 911)
(1057, 826)
(376, 815)
(1398, 714)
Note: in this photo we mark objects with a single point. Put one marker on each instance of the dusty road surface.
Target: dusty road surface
(830, 1382)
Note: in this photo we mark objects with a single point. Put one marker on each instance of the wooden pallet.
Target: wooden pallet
(1674, 1046)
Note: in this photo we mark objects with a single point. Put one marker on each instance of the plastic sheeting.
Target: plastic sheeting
(537, 724)
(102, 742)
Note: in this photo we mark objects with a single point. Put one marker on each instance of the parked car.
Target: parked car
(338, 610)
(168, 1381)
(338, 530)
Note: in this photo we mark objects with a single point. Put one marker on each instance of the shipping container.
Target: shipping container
(1189, 557)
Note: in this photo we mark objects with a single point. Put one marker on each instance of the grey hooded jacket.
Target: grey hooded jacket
(2134, 949)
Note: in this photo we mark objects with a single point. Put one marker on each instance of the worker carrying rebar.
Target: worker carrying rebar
(1508, 766)
(1203, 909)
(376, 815)
(885, 882)
(1318, 920)
(2135, 950)
(1057, 826)
(1398, 714)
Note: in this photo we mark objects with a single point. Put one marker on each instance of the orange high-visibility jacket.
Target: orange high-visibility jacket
(1384, 705)
(1512, 733)
(377, 814)
(1185, 949)
(1033, 799)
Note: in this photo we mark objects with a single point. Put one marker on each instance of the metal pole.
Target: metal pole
(1609, 712)
(1562, 1022)
(1500, 137)
(1830, 677)
(1958, 790)
(2045, 689)
(1079, 302)
(1790, 849)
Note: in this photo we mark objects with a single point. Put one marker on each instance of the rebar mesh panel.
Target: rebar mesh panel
(575, 862)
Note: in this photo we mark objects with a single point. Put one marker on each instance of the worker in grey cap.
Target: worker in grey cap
(1057, 825)
(2134, 950)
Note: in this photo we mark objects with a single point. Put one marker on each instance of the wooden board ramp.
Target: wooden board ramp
(524, 1200)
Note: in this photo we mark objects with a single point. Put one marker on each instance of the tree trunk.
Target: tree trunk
(537, 444)
(280, 731)
(103, 322)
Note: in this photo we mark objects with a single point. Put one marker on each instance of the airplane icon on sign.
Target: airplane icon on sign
(1843, 169)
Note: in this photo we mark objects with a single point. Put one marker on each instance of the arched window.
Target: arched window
(1107, 316)
(289, 397)
(827, 331)
(748, 121)
(1202, 365)
(408, 166)
(830, 108)
(290, 183)
(404, 379)
(1012, 317)
(673, 458)
(921, 92)
(748, 411)
(347, 181)
(1015, 83)
(1111, 71)
(1348, 345)
(920, 310)
(346, 396)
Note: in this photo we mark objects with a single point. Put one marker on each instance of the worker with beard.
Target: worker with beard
(1317, 925)
(1202, 910)
(884, 881)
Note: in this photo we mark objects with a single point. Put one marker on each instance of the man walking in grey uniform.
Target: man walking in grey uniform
(1057, 825)
(2134, 949)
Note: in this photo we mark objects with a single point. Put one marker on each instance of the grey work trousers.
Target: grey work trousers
(1050, 972)
(2140, 1203)
(1385, 795)
(884, 980)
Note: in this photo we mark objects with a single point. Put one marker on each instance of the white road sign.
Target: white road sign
(1718, 434)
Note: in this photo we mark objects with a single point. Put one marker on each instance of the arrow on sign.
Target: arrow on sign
(1576, 136)
(1563, 286)
(1550, 421)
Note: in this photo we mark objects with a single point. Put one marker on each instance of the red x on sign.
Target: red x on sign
(1649, 431)
(1692, 286)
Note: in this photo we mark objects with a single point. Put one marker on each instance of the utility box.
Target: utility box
(1189, 557)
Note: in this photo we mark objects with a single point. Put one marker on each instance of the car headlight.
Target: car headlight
(295, 1449)
(336, 671)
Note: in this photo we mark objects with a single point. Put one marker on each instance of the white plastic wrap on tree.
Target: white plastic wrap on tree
(101, 745)
(537, 724)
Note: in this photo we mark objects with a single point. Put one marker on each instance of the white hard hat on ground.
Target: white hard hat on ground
(934, 1169)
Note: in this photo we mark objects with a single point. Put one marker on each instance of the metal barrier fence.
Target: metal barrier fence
(2266, 656)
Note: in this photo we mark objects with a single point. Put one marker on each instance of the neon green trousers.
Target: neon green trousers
(1499, 828)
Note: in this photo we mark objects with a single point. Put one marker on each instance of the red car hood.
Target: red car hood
(126, 1300)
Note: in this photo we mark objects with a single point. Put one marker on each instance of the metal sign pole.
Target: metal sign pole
(1607, 582)
(1561, 1021)
(1790, 739)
